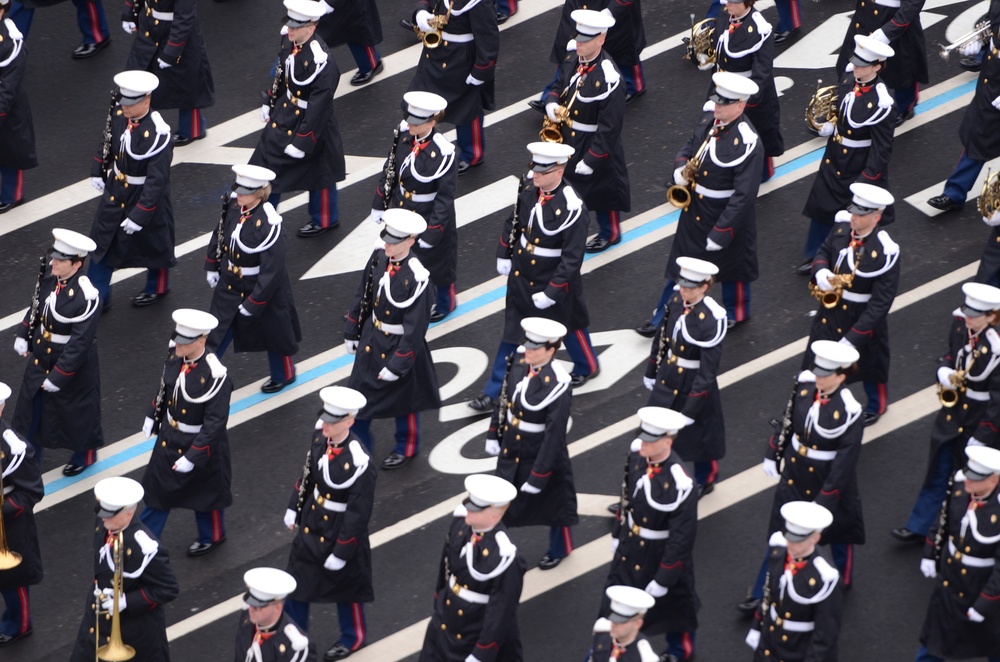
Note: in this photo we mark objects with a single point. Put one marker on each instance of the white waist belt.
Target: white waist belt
(887, 3)
(7, 489)
(169, 15)
(977, 395)
(792, 626)
(394, 329)
(648, 534)
(538, 250)
(464, 38)
(135, 181)
(335, 506)
(55, 338)
(417, 197)
(690, 364)
(854, 144)
(580, 126)
(183, 427)
(244, 271)
(525, 426)
(855, 297)
(466, 594)
(712, 193)
(745, 74)
(971, 561)
(301, 103)
(811, 453)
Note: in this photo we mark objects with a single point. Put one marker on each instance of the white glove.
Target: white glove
(503, 266)
(147, 427)
(614, 545)
(928, 568)
(387, 375)
(542, 301)
(823, 277)
(971, 48)
(974, 615)
(607, 12)
(163, 65)
(472, 80)
(845, 341)
(880, 36)
(679, 177)
(993, 220)
(244, 312)
(130, 226)
(753, 639)
(492, 447)
(290, 519)
(849, 68)
(352, 346)
(550, 110)
(333, 564)
(21, 346)
(649, 383)
(422, 18)
(97, 183)
(50, 387)
(583, 169)
(471, 657)
(327, 9)
(943, 375)
(376, 216)
(842, 216)
(295, 152)
(265, 113)
(183, 465)
(655, 589)
(826, 129)
(712, 246)
(530, 489)
(108, 600)
(129, 27)
(996, 103)
(974, 442)
(212, 278)
(770, 468)
(571, 45)
(705, 66)
(423, 244)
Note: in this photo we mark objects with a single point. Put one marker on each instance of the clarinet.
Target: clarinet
(623, 496)
(942, 531)
(661, 348)
(504, 399)
(303, 491)
(765, 603)
(160, 401)
(369, 291)
(279, 73)
(136, 11)
(783, 429)
(220, 229)
(391, 176)
(515, 226)
(34, 314)
(106, 156)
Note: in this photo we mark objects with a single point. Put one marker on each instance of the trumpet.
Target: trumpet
(831, 298)
(552, 131)
(433, 39)
(115, 650)
(8, 559)
(949, 396)
(981, 29)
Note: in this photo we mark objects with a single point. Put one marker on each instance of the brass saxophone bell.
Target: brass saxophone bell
(948, 397)
(679, 196)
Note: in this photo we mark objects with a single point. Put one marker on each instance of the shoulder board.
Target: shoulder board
(561, 375)
(520, 349)
(298, 640)
(762, 25)
(89, 291)
(635, 445)
(319, 424)
(994, 338)
(709, 107)
(718, 312)
(273, 217)
(885, 99)
(146, 544)
(319, 54)
(162, 127)
(443, 144)
(12, 30)
(646, 652)
(807, 376)
(748, 134)
(602, 625)
(218, 370)
(611, 74)
(507, 547)
(888, 245)
(460, 511)
(959, 476)
(826, 571)
(850, 403)
(403, 126)
(777, 540)
(573, 201)
(681, 479)
(419, 271)
(358, 454)
(283, 31)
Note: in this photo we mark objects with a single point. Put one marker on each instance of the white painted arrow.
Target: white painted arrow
(352, 253)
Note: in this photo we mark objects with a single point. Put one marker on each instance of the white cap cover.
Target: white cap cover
(730, 87)
(868, 198)
(541, 331)
(68, 244)
(115, 493)
(628, 602)
(340, 402)
(134, 85)
(831, 356)
(251, 177)
(549, 154)
(485, 490)
(694, 272)
(590, 23)
(303, 12)
(401, 224)
(979, 299)
(422, 106)
(192, 324)
(265, 585)
(982, 463)
(868, 51)
(803, 518)
(656, 422)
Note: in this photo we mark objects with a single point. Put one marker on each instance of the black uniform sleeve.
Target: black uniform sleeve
(880, 152)
(213, 426)
(610, 119)
(988, 601)
(704, 379)
(360, 501)
(158, 586)
(441, 220)
(483, 21)
(843, 467)
(185, 19)
(571, 259)
(10, 83)
(908, 12)
(883, 294)
(27, 483)
(746, 184)
(317, 114)
(273, 273)
(76, 351)
(762, 71)
(823, 642)
(154, 191)
(554, 443)
(501, 612)
(680, 544)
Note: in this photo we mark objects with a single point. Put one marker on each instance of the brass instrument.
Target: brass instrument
(434, 39)
(115, 650)
(949, 396)
(701, 43)
(989, 198)
(831, 298)
(679, 195)
(8, 559)
(822, 107)
(552, 131)
(978, 33)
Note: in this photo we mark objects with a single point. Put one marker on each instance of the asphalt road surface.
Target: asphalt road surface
(885, 609)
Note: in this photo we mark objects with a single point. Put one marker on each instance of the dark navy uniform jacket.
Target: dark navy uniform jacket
(22, 489)
(980, 129)
(900, 21)
(284, 642)
(639, 650)
(17, 130)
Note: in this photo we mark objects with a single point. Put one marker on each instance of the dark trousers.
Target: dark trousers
(681, 644)
(506, 7)
(932, 493)
(99, 273)
(635, 81)
(191, 123)
(407, 434)
(788, 15)
(706, 473)
(79, 458)
(471, 140)
(736, 299)
(609, 222)
(350, 616)
(906, 98)
(280, 367)
(444, 298)
(323, 211)
(924, 656)
(91, 20)
(366, 56)
(560, 541)
(11, 185)
(578, 346)
(17, 614)
(963, 178)
(817, 234)
(878, 397)
(211, 523)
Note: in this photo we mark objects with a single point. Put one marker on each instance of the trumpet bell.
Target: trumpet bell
(679, 196)
(9, 559)
(115, 651)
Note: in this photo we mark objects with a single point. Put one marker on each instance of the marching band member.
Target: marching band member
(969, 372)
(859, 248)
(386, 328)
(245, 266)
(528, 436)
(265, 632)
(59, 405)
(134, 223)
(331, 505)
(17, 130)
(617, 636)
(654, 534)
(683, 365)
(479, 581)
(148, 581)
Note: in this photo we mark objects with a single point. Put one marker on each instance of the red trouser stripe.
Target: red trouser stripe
(588, 351)
(370, 52)
(849, 566)
(740, 309)
(411, 435)
(451, 296)
(640, 81)
(324, 208)
(713, 473)
(289, 367)
(613, 221)
(19, 186)
(359, 625)
(22, 595)
(477, 140)
(796, 18)
(883, 397)
(567, 534)
(687, 645)
(95, 24)
(216, 526)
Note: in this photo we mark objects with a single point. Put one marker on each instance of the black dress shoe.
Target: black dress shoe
(782, 37)
(502, 18)
(144, 299)
(670, 657)
(394, 461)
(271, 386)
(871, 418)
(201, 548)
(465, 166)
(647, 330)
(437, 316)
(538, 105)
(629, 98)
(73, 469)
(944, 203)
(482, 402)
(971, 63)
(7, 206)
(547, 562)
(732, 324)
(576, 381)
(598, 245)
(7, 639)
(749, 606)
(84, 51)
(362, 78)
(804, 269)
(908, 115)
(705, 488)
(180, 141)
(407, 24)
(312, 230)
(337, 652)
(615, 508)
(904, 535)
